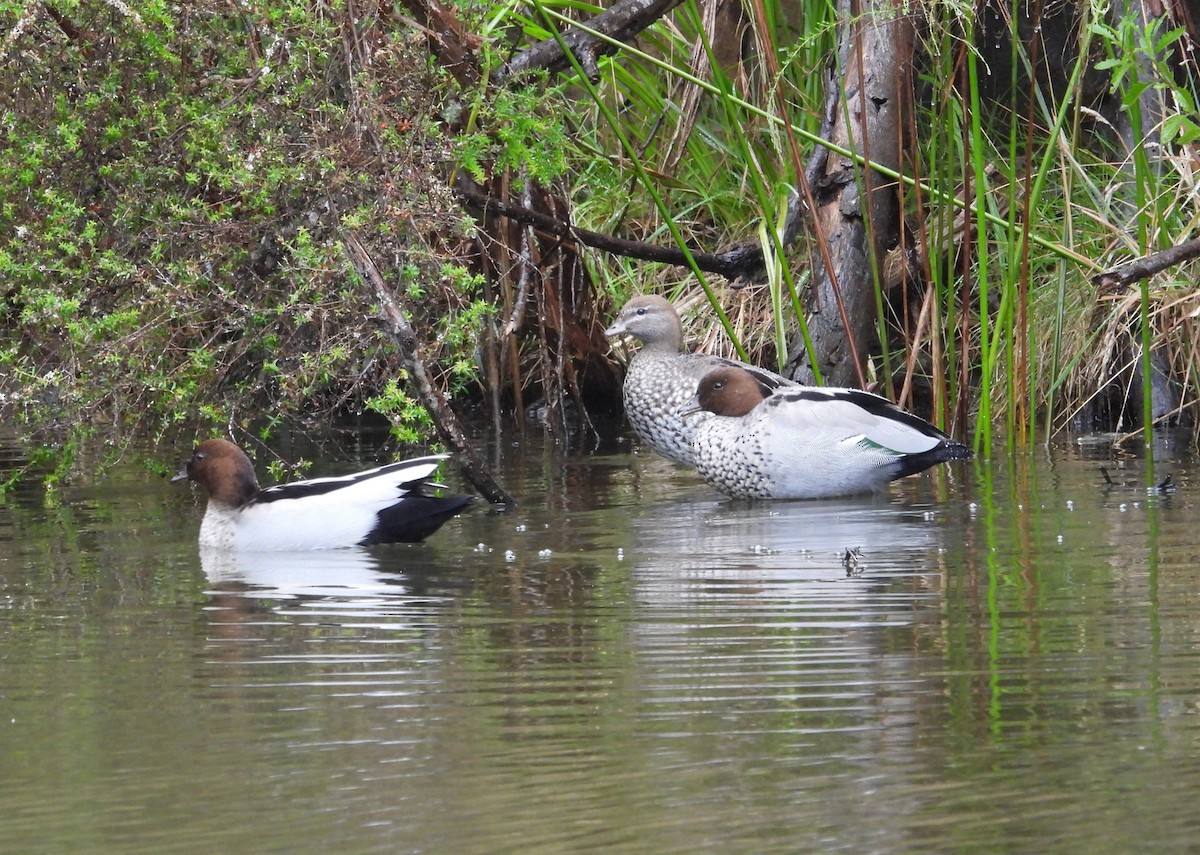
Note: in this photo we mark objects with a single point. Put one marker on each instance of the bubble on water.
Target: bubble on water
(545, 553)
(620, 554)
(1060, 538)
(509, 555)
(1070, 505)
(1124, 507)
(521, 527)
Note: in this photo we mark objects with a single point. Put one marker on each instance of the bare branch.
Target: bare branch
(1147, 266)
(744, 259)
(449, 40)
(444, 419)
(621, 21)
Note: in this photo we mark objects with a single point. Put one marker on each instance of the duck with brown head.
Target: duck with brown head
(390, 504)
(807, 443)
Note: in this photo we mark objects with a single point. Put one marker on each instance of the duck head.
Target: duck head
(224, 470)
(652, 320)
(726, 391)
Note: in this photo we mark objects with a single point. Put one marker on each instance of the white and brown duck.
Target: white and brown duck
(389, 504)
(806, 442)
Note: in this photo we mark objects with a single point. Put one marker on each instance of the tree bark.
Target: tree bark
(875, 48)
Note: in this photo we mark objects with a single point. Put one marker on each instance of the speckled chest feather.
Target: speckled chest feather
(734, 460)
(656, 388)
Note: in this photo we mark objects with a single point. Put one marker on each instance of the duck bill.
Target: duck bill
(691, 407)
(181, 475)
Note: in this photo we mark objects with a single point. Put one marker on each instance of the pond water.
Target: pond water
(1003, 657)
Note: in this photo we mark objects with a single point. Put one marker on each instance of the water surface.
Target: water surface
(1000, 658)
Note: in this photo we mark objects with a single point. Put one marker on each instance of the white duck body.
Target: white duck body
(809, 443)
(661, 379)
(382, 505)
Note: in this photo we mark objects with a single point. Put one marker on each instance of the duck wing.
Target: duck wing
(383, 481)
(851, 416)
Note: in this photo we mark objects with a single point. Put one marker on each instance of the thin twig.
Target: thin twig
(517, 318)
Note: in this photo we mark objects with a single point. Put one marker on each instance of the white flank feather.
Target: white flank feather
(343, 515)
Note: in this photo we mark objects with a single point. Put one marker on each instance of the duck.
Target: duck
(383, 505)
(661, 377)
(807, 442)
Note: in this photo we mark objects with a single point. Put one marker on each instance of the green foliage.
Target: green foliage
(409, 420)
(175, 183)
(516, 133)
(460, 329)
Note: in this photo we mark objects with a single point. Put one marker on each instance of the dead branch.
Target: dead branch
(454, 47)
(743, 259)
(444, 419)
(1147, 266)
(621, 21)
(70, 30)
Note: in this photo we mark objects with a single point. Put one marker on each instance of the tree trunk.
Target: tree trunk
(864, 118)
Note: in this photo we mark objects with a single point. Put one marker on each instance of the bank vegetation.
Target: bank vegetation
(206, 208)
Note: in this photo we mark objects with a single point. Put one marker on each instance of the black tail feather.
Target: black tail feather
(943, 452)
(414, 518)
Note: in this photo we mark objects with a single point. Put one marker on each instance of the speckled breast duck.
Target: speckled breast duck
(661, 378)
(807, 443)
